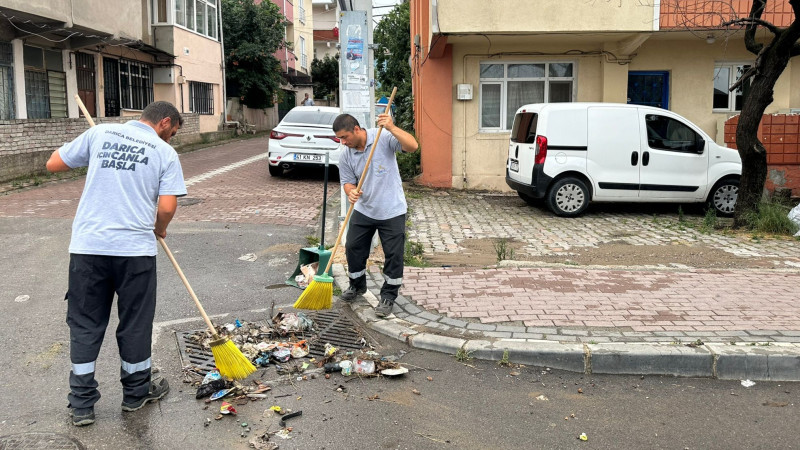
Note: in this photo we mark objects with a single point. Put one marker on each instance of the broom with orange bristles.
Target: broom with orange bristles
(319, 294)
(229, 359)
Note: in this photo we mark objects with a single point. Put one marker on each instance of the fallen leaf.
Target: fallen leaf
(775, 404)
(430, 378)
(415, 391)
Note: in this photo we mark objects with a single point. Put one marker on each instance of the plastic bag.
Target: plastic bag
(794, 216)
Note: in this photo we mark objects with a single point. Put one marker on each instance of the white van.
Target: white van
(572, 153)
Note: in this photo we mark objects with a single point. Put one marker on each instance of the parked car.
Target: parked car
(572, 153)
(303, 138)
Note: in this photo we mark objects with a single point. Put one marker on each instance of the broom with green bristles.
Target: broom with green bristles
(229, 360)
(319, 294)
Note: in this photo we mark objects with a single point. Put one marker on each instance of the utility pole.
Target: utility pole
(356, 72)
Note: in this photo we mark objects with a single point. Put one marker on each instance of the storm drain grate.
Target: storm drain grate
(332, 328)
(336, 329)
(44, 441)
(193, 354)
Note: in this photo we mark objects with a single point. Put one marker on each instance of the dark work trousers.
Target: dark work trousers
(93, 280)
(392, 233)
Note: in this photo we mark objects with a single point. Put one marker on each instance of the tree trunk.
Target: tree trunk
(752, 152)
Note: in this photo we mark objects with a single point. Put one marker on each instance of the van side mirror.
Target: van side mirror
(700, 145)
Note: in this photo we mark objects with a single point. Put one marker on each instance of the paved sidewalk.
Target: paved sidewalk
(666, 319)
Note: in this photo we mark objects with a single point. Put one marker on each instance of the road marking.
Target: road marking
(228, 168)
(158, 326)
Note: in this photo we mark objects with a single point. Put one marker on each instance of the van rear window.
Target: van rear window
(524, 129)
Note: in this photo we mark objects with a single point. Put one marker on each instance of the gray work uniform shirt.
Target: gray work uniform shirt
(129, 167)
(382, 196)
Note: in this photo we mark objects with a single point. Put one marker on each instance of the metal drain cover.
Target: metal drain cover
(332, 328)
(336, 329)
(44, 441)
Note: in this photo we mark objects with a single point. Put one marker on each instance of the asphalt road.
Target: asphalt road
(473, 405)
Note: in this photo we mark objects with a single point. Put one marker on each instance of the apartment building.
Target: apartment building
(475, 62)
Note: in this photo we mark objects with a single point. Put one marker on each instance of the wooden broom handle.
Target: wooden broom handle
(188, 287)
(360, 182)
(164, 245)
(83, 108)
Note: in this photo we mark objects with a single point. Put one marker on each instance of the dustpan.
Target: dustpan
(310, 255)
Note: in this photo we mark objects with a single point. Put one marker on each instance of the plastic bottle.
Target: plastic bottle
(363, 366)
(331, 367)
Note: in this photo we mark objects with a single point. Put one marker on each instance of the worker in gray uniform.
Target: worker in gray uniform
(133, 180)
(379, 206)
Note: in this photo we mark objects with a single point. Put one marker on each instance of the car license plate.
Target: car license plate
(298, 157)
(514, 165)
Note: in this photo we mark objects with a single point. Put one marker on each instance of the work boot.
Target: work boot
(352, 292)
(82, 416)
(158, 389)
(384, 307)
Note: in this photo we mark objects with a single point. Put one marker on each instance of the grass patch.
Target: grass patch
(413, 254)
(312, 241)
(504, 361)
(503, 250)
(709, 222)
(771, 218)
(463, 355)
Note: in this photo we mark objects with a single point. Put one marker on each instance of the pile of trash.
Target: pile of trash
(286, 341)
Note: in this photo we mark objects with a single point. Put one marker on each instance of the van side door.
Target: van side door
(613, 152)
(674, 163)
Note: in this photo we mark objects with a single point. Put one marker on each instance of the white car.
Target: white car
(303, 138)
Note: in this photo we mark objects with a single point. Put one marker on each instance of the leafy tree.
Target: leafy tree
(393, 34)
(253, 33)
(325, 73)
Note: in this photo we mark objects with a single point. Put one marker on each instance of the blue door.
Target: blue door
(649, 89)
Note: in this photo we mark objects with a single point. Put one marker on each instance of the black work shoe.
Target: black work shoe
(384, 307)
(82, 416)
(351, 293)
(158, 389)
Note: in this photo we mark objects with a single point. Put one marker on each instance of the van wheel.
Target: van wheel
(723, 197)
(531, 201)
(568, 197)
(275, 171)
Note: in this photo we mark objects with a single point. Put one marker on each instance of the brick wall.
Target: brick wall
(26, 144)
(780, 134)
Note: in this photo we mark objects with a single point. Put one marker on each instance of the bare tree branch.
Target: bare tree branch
(794, 29)
(754, 22)
(750, 32)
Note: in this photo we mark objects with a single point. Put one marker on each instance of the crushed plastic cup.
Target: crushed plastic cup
(347, 368)
(364, 366)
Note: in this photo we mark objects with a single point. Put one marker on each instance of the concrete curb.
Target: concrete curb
(754, 361)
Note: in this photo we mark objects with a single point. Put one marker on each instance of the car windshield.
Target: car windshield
(311, 117)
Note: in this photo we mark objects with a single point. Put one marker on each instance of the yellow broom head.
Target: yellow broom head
(230, 361)
(318, 294)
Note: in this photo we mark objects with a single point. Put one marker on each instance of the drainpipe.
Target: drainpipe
(224, 83)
